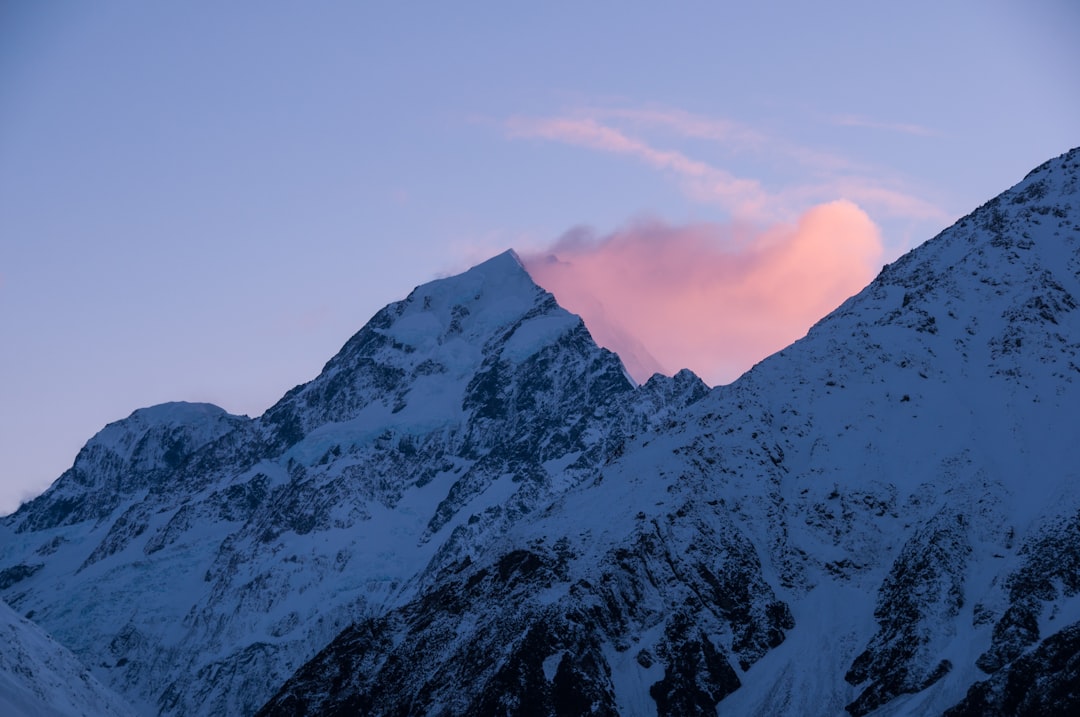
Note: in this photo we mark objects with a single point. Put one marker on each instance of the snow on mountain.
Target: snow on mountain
(473, 510)
(41, 678)
(879, 519)
(197, 579)
(124, 459)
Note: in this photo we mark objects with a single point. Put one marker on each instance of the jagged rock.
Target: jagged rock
(1045, 681)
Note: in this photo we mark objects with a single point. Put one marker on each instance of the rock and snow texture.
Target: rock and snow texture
(849, 528)
(41, 678)
(196, 559)
(473, 510)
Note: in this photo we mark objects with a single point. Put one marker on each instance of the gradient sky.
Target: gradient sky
(202, 203)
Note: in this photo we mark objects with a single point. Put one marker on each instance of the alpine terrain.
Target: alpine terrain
(39, 678)
(473, 510)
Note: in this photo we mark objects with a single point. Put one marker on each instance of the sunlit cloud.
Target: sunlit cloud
(832, 176)
(890, 202)
(592, 134)
(735, 137)
(717, 297)
(712, 297)
(870, 193)
(743, 197)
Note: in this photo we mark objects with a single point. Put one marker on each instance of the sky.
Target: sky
(202, 201)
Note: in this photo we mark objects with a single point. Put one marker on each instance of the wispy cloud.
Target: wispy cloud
(830, 176)
(688, 124)
(889, 202)
(590, 133)
(743, 197)
(736, 137)
(717, 297)
(901, 127)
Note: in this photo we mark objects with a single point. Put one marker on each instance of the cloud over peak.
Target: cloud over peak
(633, 132)
(711, 297)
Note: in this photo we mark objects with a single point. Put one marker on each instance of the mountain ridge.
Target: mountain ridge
(891, 660)
(458, 388)
(472, 492)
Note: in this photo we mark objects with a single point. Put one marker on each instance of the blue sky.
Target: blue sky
(203, 202)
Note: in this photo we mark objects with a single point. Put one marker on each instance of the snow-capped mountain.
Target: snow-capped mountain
(883, 518)
(41, 678)
(472, 510)
(196, 559)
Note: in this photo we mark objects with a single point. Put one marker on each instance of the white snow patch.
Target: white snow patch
(535, 334)
(551, 664)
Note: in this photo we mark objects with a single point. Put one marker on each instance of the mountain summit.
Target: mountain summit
(216, 545)
(472, 510)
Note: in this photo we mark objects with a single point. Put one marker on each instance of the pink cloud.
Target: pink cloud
(590, 133)
(743, 197)
(715, 298)
(731, 135)
(746, 199)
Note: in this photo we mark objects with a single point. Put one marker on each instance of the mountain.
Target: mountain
(196, 559)
(472, 510)
(40, 678)
(883, 518)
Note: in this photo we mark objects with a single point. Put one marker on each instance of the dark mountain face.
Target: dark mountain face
(473, 511)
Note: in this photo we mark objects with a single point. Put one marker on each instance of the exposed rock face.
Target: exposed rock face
(924, 589)
(682, 603)
(1044, 681)
(1048, 574)
(473, 510)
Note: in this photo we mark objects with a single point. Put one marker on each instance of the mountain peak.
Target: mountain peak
(506, 262)
(124, 458)
(475, 488)
(503, 275)
(492, 317)
(179, 412)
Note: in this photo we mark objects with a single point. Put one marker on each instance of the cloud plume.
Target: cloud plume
(715, 298)
(744, 198)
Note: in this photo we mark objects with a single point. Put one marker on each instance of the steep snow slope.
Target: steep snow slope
(884, 518)
(41, 678)
(929, 428)
(198, 577)
(124, 459)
